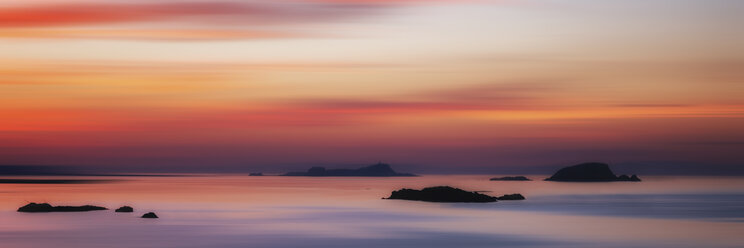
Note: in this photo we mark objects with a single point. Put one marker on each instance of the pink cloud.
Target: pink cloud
(79, 14)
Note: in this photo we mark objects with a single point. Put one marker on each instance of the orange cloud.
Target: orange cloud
(194, 19)
(185, 20)
(97, 13)
(224, 12)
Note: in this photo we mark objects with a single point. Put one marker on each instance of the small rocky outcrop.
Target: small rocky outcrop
(150, 215)
(124, 209)
(514, 178)
(590, 172)
(440, 194)
(46, 207)
(375, 170)
(255, 174)
(511, 197)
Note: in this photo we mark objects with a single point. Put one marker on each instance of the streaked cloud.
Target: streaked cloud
(216, 12)
(148, 34)
(197, 20)
(181, 20)
(472, 82)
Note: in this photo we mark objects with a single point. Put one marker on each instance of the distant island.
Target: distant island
(53, 181)
(590, 172)
(447, 194)
(511, 197)
(46, 207)
(515, 178)
(375, 170)
(149, 215)
(124, 209)
(440, 194)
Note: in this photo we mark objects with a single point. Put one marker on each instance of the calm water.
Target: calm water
(242, 211)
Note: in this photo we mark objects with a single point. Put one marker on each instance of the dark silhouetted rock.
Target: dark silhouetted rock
(516, 178)
(511, 197)
(33, 207)
(627, 178)
(256, 174)
(440, 194)
(634, 178)
(124, 209)
(589, 172)
(150, 215)
(376, 170)
(46, 207)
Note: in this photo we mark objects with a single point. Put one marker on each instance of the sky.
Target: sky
(439, 86)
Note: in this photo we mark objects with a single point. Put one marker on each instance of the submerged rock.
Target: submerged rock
(46, 207)
(515, 178)
(440, 194)
(511, 197)
(124, 209)
(375, 170)
(589, 172)
(150, 215)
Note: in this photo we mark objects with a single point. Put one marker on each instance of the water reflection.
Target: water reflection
(242, 211)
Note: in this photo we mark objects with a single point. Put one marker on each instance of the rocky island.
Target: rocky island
(515, 178)
(46, 207)
(440, 194)
(375, 170)
(124, 209)
(447, 194)
(590, 172)
(511, 197)
(149, 215)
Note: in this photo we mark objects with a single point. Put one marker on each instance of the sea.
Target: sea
(206, 210)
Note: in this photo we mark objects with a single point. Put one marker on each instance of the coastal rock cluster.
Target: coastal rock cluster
(47, 208)
(586, 172)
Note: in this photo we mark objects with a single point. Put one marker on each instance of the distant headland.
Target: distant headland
(590, 172)
(375, 170)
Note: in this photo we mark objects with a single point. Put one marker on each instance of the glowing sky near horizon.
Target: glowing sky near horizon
(438, 84)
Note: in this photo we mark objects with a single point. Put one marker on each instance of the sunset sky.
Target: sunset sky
(429, 86)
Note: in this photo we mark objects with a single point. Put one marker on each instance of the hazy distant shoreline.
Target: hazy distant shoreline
(54, 181)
